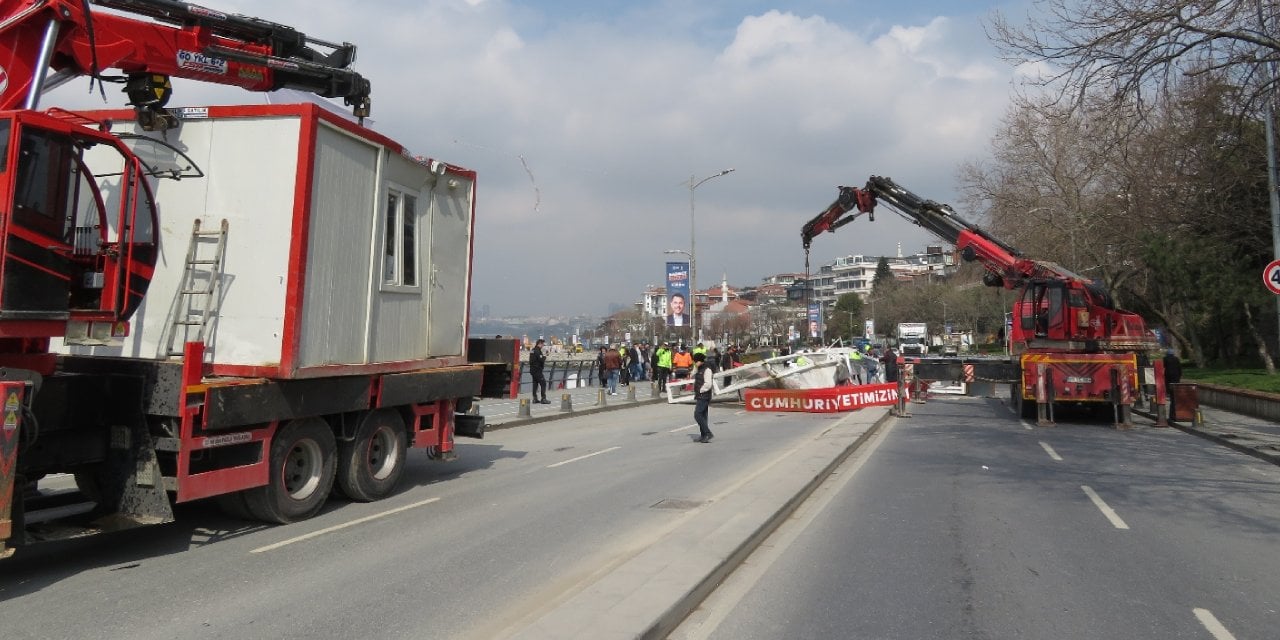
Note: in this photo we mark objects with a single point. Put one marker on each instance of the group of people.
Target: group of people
(622, 365)
(638, 361)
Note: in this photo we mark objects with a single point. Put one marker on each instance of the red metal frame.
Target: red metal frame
(1094, 366)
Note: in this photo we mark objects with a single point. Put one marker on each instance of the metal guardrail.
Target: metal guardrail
(562, 374)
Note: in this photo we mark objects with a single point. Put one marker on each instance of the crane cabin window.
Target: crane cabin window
(400, 241)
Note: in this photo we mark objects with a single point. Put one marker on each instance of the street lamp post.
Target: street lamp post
(694, 183)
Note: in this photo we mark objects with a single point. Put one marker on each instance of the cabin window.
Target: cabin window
(400, 240)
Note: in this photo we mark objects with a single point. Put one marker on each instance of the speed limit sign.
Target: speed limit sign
(1271, 276)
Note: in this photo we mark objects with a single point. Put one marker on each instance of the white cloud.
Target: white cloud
(610, 119)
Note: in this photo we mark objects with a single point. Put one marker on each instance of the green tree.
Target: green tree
(845, 318)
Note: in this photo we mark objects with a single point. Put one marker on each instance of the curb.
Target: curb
(672, 617)
(652, 592)
(625, 404)
(1237, 439)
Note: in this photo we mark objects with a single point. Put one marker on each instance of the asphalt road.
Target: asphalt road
(963, 522)
(475, 548)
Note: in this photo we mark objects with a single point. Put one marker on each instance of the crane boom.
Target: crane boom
(1058, 309)
(181, 40)
(78, 219)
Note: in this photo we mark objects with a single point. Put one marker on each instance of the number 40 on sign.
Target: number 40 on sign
(1271, 277)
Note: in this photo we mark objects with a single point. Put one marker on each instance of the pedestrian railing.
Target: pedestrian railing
(563, 374)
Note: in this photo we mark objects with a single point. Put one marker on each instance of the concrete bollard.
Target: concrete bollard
(653, 390)
(1162, 414)
(524, 409)
(600, 398)
(566, 403)
(631, 393)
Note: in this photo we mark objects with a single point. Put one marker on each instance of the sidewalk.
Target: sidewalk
(1256, 437)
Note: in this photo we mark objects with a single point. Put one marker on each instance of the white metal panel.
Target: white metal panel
(250, 167)
(335, 302)
(399, 315)
(450, 259)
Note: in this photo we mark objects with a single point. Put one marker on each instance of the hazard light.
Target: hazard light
(88, 333)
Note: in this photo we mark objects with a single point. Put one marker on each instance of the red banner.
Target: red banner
(828, 400)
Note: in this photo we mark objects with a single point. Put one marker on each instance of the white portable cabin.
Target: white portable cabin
(343, 255)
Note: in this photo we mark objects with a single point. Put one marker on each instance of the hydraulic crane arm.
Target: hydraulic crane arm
(182, 40)
(1001, 260)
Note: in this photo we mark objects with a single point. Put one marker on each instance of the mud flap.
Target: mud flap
(11, 392)
(131, 486)
(469, 426)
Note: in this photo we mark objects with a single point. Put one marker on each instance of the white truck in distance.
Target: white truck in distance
(913, 338)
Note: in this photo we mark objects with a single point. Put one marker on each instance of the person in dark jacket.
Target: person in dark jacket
(702, 396)
(537, 362)
(890, 362)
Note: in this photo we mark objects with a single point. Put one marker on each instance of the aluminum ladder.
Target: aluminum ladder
(198, 292)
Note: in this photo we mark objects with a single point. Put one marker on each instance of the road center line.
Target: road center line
(1211, 623)
(687, 426)
(1106, 510)
(336, 527)
(1049, 450)
(552, 466)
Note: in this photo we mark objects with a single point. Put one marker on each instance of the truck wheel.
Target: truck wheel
(302, 466)
(370, 465)
(1026, 409)
(233, 505)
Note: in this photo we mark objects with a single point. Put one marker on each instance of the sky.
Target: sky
(585, 121)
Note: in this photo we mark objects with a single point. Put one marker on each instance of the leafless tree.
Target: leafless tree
(1128, 51)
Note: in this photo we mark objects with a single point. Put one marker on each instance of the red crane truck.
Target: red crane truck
(1070, 342)
(256, 304)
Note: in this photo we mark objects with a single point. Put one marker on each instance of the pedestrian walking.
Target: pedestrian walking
(600, 370)
(537, 361)
(635, 362)
(702, 396)
(612, 366)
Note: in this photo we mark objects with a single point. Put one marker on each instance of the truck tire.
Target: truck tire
(302, 467)
(1024, 408)
(234, 506)
(370, 465)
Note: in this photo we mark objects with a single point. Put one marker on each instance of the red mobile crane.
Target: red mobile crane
(1071, 343)
(79, 251)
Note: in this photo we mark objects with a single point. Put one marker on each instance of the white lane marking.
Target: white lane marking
(552, 466)
(687, 426)
(336, 527)
(1106, 510)
(1049, 450)
(1211, 623)
(1028, 427)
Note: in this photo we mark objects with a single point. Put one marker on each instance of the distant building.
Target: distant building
(856, 273)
